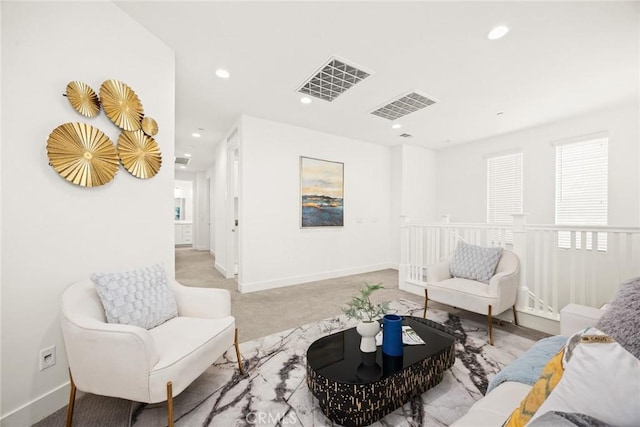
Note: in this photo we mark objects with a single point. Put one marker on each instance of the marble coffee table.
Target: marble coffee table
(356, 389)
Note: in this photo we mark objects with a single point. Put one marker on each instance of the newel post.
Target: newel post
(520, 249)
(404, 251)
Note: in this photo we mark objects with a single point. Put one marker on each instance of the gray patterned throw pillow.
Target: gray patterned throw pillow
(474, 262)
(139, 297)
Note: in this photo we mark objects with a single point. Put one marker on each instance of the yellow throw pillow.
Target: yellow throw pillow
(551, 374)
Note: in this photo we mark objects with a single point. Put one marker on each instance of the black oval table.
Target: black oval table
(356, 389)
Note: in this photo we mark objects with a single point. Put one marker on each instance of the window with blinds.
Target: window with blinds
(504, 190)
(581, 189)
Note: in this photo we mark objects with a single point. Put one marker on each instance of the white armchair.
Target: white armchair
(143, 365)
(489, 299)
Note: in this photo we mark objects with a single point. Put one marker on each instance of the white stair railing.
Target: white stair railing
(559, 264)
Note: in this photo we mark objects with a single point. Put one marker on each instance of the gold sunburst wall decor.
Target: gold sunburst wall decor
(83, 99)
(149, 126)
(82, 154)
(139, 154)
(121, 105)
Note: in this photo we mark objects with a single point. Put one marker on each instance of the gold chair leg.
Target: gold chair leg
(426, 300)
(72, 400)
(515, 315)
(170, 404)
(490, 327)
(235, 343)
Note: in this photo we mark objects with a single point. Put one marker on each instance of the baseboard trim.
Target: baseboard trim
(298, 280)
(38, 409)
(221, 269)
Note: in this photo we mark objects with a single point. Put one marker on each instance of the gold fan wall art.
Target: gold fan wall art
(139, 154)
(82, 154)
(149, 126)
(121, 105)
(83, 99)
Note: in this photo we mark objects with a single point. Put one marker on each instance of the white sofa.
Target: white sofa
(489, 299)
(496, 406)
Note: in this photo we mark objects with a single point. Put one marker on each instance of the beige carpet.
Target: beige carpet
(263, 313)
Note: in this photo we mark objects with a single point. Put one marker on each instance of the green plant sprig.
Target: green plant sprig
(361, 308)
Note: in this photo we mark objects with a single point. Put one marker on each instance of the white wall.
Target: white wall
(461, 173)
(413, 189)
(201, 232)
(220, 226)
(58, 232)
(275, 251)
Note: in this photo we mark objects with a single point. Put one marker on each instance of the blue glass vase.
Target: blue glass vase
(392, 335)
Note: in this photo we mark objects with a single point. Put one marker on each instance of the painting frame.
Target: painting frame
(321, 202)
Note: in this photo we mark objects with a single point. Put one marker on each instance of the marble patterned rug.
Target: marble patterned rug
(273, 391)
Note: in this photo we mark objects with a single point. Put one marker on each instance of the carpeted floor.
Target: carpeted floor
(254, 313)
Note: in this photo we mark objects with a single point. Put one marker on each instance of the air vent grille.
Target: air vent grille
(406, 135)
(333, 79)
(402, 106)
(182, 160)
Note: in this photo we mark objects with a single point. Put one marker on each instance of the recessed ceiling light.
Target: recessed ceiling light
(498, 32)
(187, 154)
(195, 135)
(183, 167)
(305, 100)
(222, 73)
(396, 126)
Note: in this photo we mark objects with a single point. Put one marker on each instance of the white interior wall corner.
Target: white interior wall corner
(61, 233)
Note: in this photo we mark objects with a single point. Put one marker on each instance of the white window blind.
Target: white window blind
(581, 189)
(504, 190)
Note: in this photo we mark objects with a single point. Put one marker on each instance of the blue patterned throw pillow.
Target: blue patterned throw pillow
(141, 297)
(474, 262)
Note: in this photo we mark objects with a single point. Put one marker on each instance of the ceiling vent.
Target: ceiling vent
(333, 78)
(182, 160)
(406, 135)
(402, 106)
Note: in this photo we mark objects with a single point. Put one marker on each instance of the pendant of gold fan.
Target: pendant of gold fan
(121, 105)
(83, 99)
(139, 154)
(82, 154)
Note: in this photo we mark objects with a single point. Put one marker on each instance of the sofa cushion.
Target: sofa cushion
(566, 419)
(474, 262)
(621, 319)
(600, 380)
(549, 378)
(140, 297)
(495, 407)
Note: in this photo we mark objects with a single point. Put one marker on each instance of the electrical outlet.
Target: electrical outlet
(47, 357)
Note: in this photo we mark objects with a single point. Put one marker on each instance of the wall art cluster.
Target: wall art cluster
(84, 155)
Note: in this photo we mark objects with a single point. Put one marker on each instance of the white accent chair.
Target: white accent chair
(488, 299)
(134, 363)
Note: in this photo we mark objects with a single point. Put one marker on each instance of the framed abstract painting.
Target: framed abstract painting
(321, 193)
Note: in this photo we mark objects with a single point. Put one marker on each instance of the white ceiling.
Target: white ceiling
(560, 59)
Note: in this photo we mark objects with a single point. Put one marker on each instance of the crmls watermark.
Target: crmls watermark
(267, 418)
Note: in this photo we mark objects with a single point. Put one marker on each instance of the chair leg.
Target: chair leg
(235, 343)
(515, 315)
(72, 400)
(170, 404)
(490, 327)
(426, 300)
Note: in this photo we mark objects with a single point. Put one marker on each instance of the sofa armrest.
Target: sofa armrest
(107, 357)
(575, 317)
(438, 272)
(204, 303)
